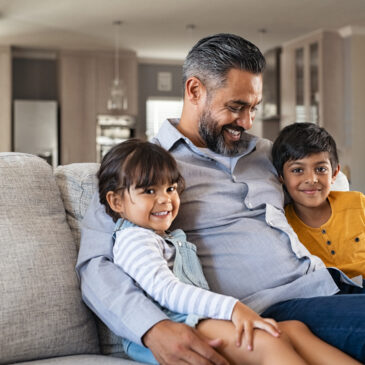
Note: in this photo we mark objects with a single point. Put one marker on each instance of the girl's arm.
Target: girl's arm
(106, 289)
(139, 253)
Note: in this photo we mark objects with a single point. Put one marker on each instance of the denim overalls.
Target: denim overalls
(186, 268)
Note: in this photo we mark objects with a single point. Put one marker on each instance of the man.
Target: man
(232, 209)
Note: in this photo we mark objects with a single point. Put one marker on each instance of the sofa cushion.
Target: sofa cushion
(82, 360)
(41, 311)
(77, 183)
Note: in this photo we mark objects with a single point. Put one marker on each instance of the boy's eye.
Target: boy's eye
(297, 170)
(322, 169)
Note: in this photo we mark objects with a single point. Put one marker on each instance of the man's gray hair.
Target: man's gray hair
(213, 57)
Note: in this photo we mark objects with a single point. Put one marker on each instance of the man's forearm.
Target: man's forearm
(114, 298)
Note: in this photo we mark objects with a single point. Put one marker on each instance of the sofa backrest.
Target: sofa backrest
(41, 311)
(77, 183)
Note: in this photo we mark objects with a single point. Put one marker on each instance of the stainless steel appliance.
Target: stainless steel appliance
(111, 130)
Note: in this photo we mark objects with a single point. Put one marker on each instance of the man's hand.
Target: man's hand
(175, 343)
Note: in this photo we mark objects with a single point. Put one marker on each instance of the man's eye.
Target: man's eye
(234, 110)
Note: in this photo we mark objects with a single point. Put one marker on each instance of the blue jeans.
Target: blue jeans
(339, 319)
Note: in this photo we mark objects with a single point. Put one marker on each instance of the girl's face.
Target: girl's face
(154, 207)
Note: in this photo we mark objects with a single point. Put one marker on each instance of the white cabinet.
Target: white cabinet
(312, 81)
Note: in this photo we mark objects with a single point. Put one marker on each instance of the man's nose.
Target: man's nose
(245, 120)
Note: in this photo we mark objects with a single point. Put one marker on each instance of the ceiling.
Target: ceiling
(157, 29)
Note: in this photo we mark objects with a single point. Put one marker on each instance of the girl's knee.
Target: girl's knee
(293, 326)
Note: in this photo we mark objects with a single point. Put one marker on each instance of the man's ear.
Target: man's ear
(335, 173)
(195, 91)
(115, 201)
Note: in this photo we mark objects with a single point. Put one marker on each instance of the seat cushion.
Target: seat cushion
(82, 360)
(41, 311)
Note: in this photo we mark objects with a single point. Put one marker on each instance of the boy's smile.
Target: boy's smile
(308, 180)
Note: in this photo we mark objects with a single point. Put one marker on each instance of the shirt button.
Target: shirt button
(179, 243)
(323, 231)
(249, 205)
(328, 242)
(357, 239)
(333, 252)
(233, 178)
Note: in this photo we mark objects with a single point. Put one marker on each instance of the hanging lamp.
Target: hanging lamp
(118, 94)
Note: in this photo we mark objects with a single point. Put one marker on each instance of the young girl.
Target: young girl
(139, 184)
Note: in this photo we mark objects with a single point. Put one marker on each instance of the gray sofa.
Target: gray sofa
(42, 317)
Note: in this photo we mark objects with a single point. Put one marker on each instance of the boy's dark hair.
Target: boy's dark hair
(214, 56)
(299, 140)
(138, 163)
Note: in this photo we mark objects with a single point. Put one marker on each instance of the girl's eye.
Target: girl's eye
(150, 191)
(171, 189)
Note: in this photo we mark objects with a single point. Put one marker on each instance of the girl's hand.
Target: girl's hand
(245, 320)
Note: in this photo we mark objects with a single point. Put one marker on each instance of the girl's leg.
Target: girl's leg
(267, 349)
(312, 348)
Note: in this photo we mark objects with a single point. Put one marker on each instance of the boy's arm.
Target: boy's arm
(106, 289)
(139, 253)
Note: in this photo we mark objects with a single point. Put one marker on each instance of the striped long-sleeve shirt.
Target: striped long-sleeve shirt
(147, 258)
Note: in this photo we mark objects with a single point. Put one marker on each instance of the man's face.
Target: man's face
(229, 111)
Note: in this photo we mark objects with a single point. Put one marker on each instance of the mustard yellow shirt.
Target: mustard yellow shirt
(340, 242)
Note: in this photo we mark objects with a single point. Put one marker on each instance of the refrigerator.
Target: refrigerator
(35, 129)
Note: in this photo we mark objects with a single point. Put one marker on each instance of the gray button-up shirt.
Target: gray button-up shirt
(232, 209)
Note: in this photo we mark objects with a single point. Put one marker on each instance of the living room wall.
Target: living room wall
(147, 87)
(354, 114)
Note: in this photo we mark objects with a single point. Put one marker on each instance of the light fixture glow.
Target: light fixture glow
(118, 95)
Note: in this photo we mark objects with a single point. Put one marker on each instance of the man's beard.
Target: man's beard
(213, 136)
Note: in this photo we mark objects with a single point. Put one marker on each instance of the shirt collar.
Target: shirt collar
(168, 135)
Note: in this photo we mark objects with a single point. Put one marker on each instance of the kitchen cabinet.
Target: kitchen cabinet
(312, 81)
(85, 81)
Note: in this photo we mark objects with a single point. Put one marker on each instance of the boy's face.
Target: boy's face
(308, 180)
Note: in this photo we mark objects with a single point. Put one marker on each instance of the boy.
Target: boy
(331, 224)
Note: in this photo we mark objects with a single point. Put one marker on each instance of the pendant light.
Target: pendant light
(118, 94)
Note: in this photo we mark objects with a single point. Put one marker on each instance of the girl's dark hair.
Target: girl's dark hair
(136, 163)
(300, 140)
